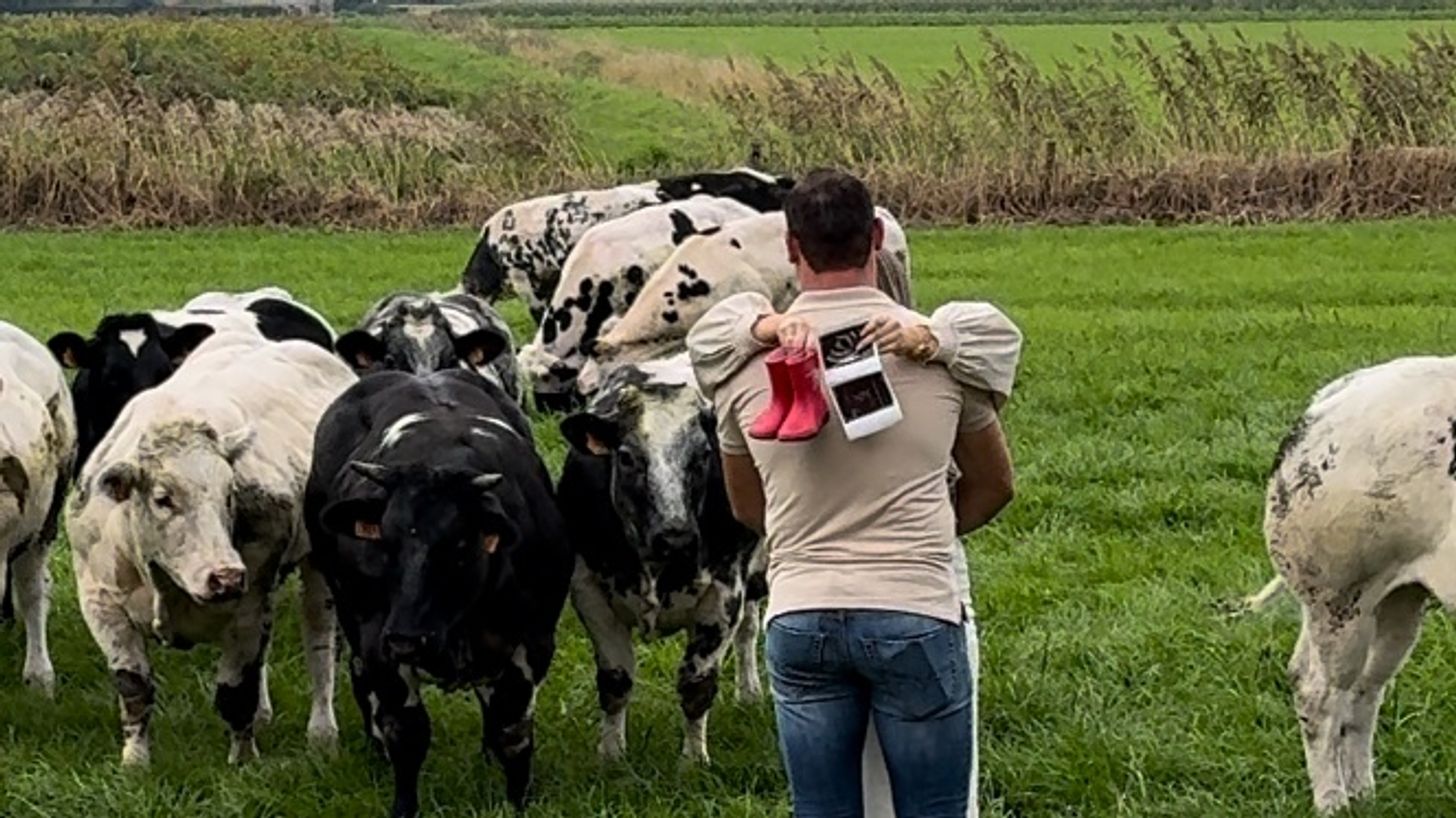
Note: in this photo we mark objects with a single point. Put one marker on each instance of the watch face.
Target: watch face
(863, 396)
(839, 347)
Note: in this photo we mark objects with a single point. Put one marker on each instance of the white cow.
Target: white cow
(37, 454)
(1359, 521)
(189, 514)
(602, 277)
(748, 255)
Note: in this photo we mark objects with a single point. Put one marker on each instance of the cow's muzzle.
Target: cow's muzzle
(226, 584)
(406, 647)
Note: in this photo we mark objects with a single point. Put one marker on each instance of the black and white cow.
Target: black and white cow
(131, 352)
(424, 333)
(189, 515)
(657, 547)
(37, 454)
(524, 245)
(601, 279)
(434, 520)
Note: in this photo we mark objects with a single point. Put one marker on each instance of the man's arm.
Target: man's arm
(987, 477)
(745, 490)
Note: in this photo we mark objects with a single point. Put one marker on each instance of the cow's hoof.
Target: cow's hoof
(694, 754)
(323, 735)
(242, 751)
(613, 748)
(750, 691)
(1331, 801)
(43, 681)
(135, 755)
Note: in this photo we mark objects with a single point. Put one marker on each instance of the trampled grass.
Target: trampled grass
(1160, 371)
(915, 53)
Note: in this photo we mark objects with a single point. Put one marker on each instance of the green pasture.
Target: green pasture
(1161, 368)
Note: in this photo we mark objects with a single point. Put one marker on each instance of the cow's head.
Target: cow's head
(553, 380)
(127, 354)
(758, 190)
(443, 540)
(411, 334)
(658, 432)
(177, 501)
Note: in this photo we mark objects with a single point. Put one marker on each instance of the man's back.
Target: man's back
(865, 524)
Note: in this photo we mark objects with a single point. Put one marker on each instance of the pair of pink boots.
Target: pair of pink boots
(797, 409)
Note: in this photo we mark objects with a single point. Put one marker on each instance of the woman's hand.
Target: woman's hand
(788, 331)
(916, 343)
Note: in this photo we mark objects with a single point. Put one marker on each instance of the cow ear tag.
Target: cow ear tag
(367, 531)
(490, 542)
(595, 446)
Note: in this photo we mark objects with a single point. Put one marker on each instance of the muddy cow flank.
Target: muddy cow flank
(128, 353)
(189, 515)
(523, 246)
(434, 520)
(658, 550)
(37, 455)
(601, 280)
(431, 332)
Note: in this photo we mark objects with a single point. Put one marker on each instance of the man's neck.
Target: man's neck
(810, 280)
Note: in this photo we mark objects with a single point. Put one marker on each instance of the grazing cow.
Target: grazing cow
(189, 515)
(1361, 524)
(37, 454)
(747, 255)
(434, 520)
(525, 244)
(433, 332)
(602, 278)
(132, 352)
(657, 547)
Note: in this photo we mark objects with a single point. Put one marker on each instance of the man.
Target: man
(865, 609)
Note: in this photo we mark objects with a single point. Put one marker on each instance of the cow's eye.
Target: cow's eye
(165, 502)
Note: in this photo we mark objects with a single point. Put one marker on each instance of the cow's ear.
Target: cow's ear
(481, 346)
(119, 480)
(591, 434)
(69, 348)
(360, 350)
(359, 519)
(496, 525)
(179, 343)
(235, 443)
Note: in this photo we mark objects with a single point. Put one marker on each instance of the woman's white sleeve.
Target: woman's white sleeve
(722, 341)
(979, 345)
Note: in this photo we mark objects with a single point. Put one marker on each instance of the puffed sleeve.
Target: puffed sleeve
(979, 345)
(722, 341)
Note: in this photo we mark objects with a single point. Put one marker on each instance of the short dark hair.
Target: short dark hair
(832, 215)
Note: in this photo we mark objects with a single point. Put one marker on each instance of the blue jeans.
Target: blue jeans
(832, 671)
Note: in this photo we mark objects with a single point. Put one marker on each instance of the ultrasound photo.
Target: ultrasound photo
(838, 347)
(862, 396)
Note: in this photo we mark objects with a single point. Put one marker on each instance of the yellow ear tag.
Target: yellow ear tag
(490, 541)
(367, 531)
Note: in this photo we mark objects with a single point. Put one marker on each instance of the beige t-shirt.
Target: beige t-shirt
(865, 524)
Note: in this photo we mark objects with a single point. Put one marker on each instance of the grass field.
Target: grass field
(1160, 371)
(916, 52)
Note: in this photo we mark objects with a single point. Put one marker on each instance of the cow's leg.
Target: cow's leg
(404, 728)
(31, 581)
(745, 649)
(126, 656)
(367, 702)
(240, 676)
(319, 629)
(718, 612)
(1325, 668)
(615, 655)
(1397, 627)
(508, 715)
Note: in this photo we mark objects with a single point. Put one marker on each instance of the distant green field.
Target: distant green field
(915, 52)
(1161, 368)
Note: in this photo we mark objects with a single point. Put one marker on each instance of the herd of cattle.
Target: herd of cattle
(212, 450)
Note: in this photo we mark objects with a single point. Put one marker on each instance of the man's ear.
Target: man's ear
(591, 434)
(69, 349)
(792, 244)
(119, 481)
(360, 350)
(180, 343)
(877, 235)
(357, 518)
(480, 347)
